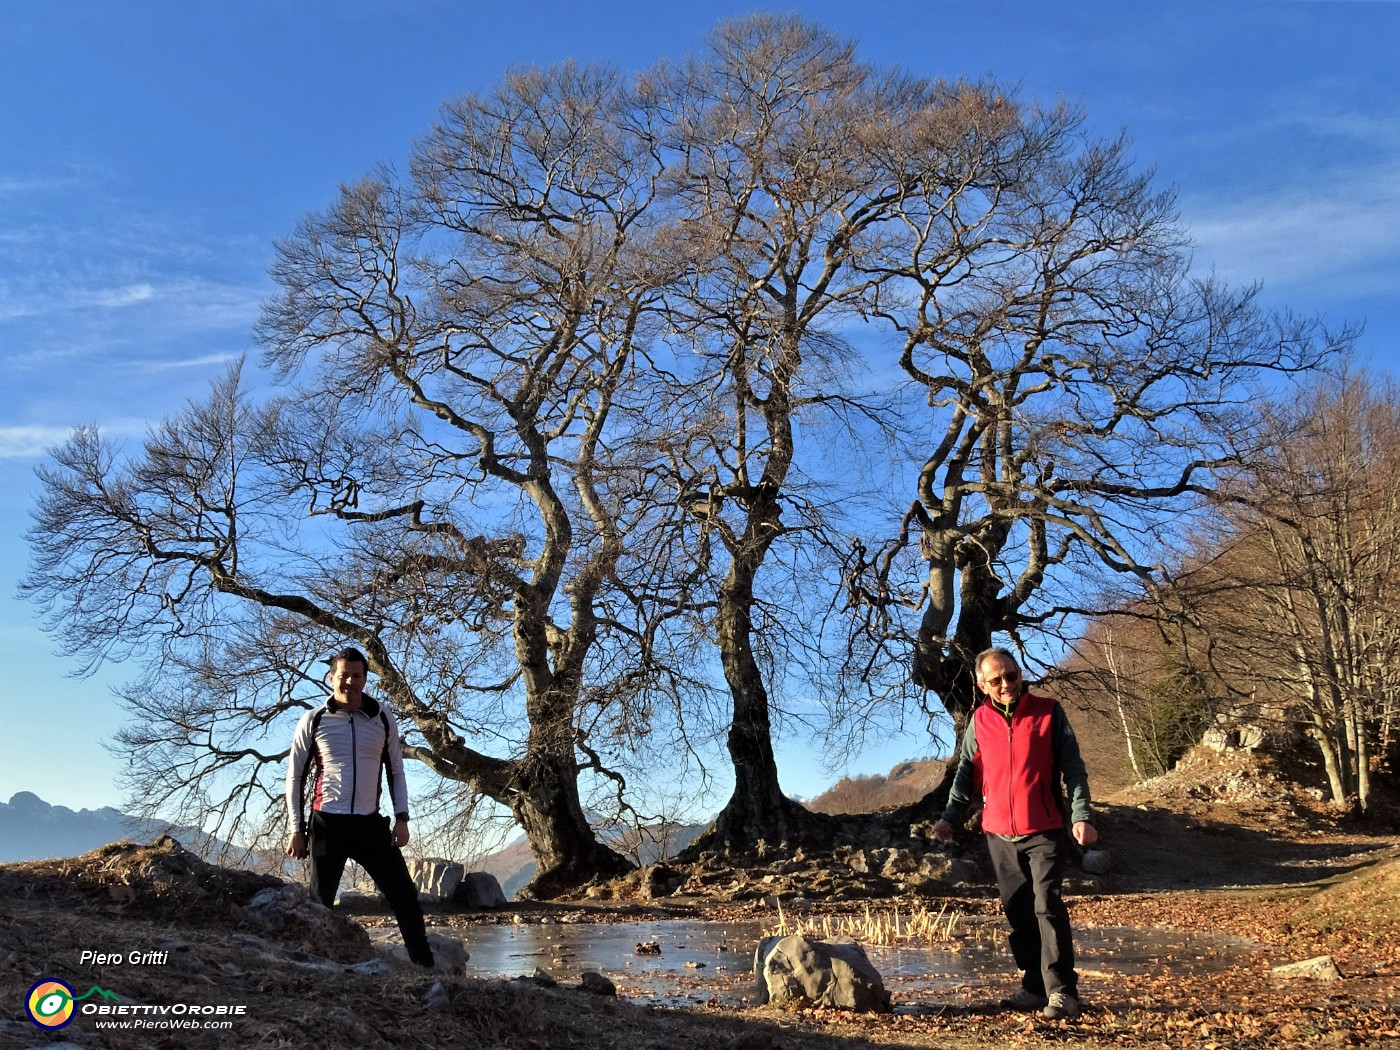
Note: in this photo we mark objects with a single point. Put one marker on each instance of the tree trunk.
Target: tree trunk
(1336, 775)
(1110, 655)
(1358, 737)
(758, 809)
(567, 854)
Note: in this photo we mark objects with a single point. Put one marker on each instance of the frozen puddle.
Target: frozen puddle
(702, 962)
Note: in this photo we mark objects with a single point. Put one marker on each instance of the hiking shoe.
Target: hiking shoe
(1024, 999)
(1060, 1007)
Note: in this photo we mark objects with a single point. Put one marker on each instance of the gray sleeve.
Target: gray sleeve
(1071, 767)
(960, 794)
(298, 758)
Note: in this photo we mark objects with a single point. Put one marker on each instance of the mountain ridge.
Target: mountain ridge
(32, 829)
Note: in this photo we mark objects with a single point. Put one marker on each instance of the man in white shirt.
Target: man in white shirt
(340, 749)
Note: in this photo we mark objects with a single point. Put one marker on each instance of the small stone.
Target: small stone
(437, 998)
(1097, 862)
(900, 862)
(450, 954)
(1320, 968)
(596, 984)
(372, 968)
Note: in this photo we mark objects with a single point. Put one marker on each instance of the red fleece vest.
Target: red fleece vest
(1016, 767)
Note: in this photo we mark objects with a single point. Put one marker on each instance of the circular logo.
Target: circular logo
(50, 1003)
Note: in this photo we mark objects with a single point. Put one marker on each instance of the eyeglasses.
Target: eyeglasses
(1010, 678)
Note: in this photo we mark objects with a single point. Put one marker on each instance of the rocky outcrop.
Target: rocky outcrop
(288, 913)
(846, 873)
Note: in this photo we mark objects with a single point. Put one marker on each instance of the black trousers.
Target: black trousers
(368, 840)
(1029, 874)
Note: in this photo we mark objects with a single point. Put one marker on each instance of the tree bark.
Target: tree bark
(546, 804)
(757, 810)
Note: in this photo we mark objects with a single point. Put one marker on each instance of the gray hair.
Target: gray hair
(995, 650)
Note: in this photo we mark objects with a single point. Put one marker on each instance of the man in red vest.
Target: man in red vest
(1016, 751)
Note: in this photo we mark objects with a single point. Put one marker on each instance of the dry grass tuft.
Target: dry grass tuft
(887, 929)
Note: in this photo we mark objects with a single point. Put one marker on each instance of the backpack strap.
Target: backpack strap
(384, 757)
(313, 761)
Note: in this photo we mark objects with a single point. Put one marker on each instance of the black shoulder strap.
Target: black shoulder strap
(384, 757)
(312, 759)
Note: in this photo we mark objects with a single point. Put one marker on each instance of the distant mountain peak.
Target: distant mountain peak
(32, 829)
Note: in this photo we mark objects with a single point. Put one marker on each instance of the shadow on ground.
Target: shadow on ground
(1217, 846)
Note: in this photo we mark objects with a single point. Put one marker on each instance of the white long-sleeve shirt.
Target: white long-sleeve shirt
(342, 754)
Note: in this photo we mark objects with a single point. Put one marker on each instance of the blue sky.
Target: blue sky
(152, 150)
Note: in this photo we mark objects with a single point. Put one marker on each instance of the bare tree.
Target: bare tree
(795, 162)
(1108, 666)
(1294, 606)
(1082, 387)
(459, 485)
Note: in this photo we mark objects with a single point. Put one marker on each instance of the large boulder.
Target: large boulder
(479, 889)
(437, 879)
(833, 973)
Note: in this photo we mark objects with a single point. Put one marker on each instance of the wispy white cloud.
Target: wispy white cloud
(200, 304)
(17, 185)
(34, 440)
(127, 295)
(16, 303)
(30, 442)
(173, 364)
(1315, 116)
(156, 313)
(1336, 230)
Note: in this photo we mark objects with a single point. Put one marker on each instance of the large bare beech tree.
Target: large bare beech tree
(782, 192)
(1082, 389)
(798, 168)
(459, 484)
